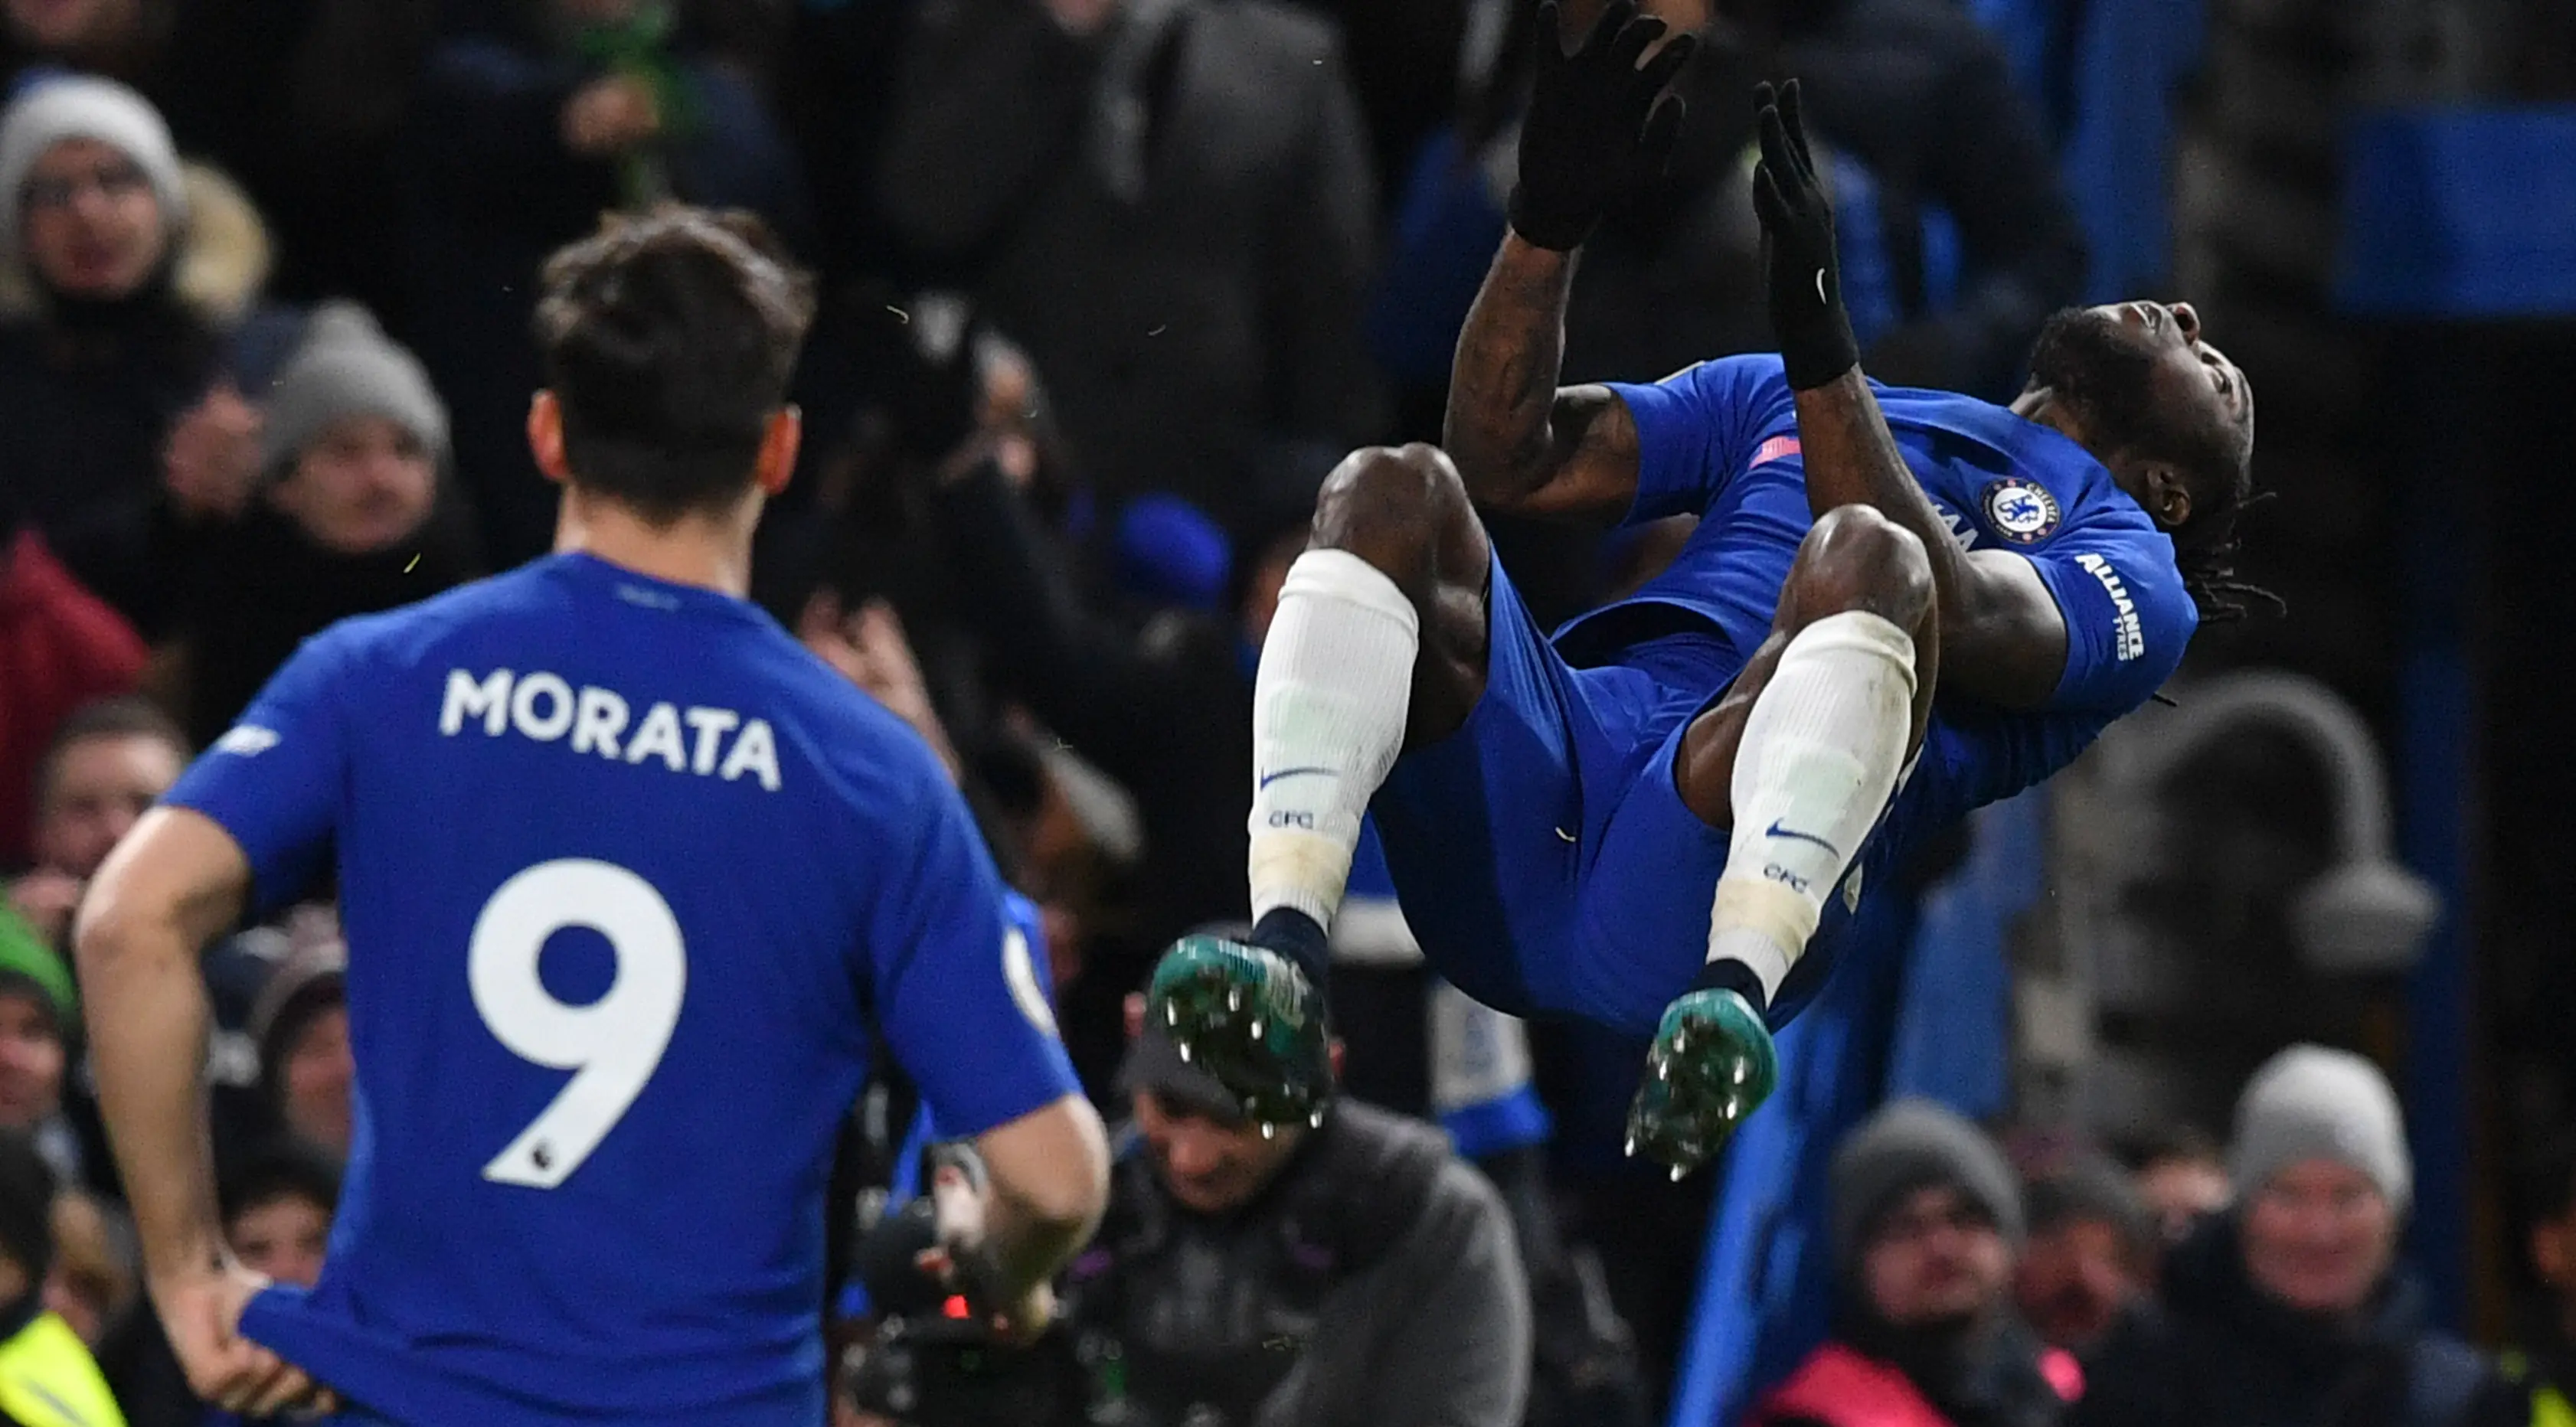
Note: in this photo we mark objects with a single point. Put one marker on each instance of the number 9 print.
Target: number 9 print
(612, 1045)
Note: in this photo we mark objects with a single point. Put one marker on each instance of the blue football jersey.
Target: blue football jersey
(634, 889)
(1720, 440)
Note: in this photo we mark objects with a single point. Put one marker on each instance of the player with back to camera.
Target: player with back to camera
(632, 885)
(1896, 606)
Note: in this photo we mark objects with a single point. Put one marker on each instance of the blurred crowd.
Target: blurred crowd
(1109, 285)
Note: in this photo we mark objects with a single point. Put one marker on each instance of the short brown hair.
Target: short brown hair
(123, 716)
(669, 338)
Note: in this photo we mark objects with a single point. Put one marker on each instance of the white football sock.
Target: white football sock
(1821, 752)
(1328, 712)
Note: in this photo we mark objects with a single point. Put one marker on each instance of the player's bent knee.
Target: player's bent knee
(1857, 558)
(1390, 505)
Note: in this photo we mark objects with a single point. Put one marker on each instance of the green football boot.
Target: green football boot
(1247, 1016)
(1710, 1066)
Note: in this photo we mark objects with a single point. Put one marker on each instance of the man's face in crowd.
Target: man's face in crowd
(98, 788)
(1261, 592)
(93, 227)
(2074, 1280)
(31, 1060)
(2319, 1237)
(315, 1079)
(89, 1284)
(1936, 1258)
(1210, 1165)
(2553, 1255)
(363, 486)
(2181, 1192)
(283, 1238)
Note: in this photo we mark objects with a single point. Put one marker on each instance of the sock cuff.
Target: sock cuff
(1859, 631)
(1342, 576)
(1759, 905)
(1300, 870)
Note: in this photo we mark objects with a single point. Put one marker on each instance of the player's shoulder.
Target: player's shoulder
(1720, 390)
(1743, 374)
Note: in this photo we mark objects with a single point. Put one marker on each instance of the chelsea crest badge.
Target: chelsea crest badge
(2020, 511)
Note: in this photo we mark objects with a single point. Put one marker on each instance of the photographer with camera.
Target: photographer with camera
(1357, 1272)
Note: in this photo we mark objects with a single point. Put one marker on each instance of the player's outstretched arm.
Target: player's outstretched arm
(1598, 124)
(2003, 638)
(176, 883)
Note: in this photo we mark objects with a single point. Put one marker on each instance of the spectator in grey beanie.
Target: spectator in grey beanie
(356, 513)
(1908, 1146)
(1926, 1220)
(2292, 1307)
(2090, 1255)
(345, 372)
(2309, 1104)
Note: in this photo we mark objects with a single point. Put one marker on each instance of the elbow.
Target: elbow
(1498, 473)
(105, 931)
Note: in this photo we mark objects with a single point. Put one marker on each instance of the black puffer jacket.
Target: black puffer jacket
(2221, 1354)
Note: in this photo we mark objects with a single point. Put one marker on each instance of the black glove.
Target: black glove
(1806, 284)
(1595, 129)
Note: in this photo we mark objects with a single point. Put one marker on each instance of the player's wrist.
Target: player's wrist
(183, 1273)
(1817, 344)
(1557, 229)
(1819, 358)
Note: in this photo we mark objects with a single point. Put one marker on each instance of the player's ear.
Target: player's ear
(1334, 1054)
(779, 442)
(2165, 492)
(1132, 1009)
(545, 436)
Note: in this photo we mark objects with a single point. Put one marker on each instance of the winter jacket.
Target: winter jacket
(2008, 1380)
(1174, 218)
(2222, 1354)
(1375, 1281)
(259, 587)
(60, 647)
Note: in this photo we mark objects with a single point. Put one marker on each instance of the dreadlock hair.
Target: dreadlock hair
(2206, 545)
(2085, 359)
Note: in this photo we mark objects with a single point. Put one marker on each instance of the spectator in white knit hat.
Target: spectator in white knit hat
(129, 329)
(355, 514)
(2291, 1308)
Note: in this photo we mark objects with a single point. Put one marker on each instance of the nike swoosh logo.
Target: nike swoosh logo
(1779, 831)
(1270, 778)
(1821, 299)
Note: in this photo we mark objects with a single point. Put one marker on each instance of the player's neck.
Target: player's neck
(2040, 405)
(709, 551)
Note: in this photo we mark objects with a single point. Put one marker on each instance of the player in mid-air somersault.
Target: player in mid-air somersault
(1897, 606)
